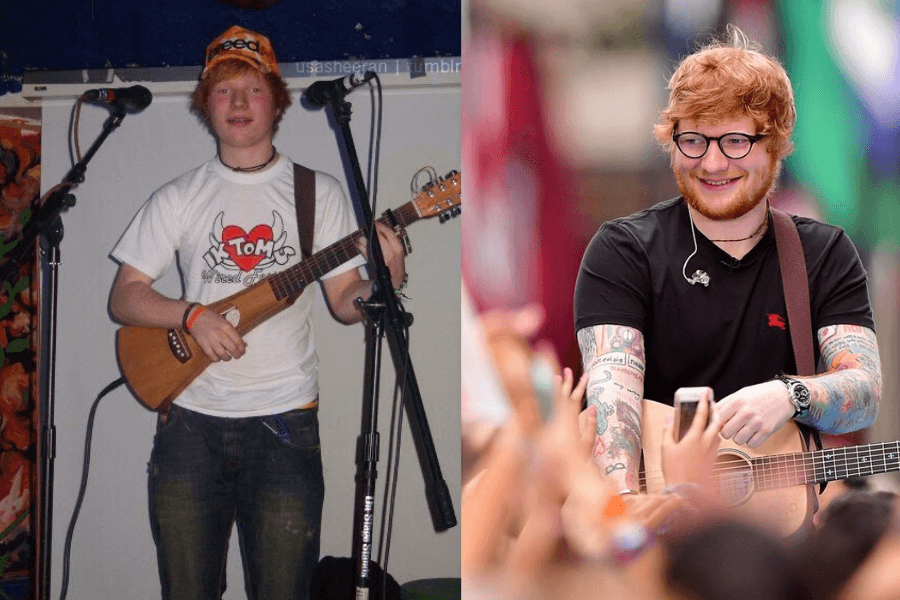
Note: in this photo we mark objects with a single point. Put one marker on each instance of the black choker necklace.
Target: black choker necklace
(761, 227)
(250, 169)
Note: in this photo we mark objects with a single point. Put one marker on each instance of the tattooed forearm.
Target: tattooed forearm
(626, 435)
(613, 359)
(846, 397)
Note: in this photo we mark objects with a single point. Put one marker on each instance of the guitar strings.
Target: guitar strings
(326, 259)
(289, 280)
(801, 468)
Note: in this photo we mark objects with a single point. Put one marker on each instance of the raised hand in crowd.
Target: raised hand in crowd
(691, 459)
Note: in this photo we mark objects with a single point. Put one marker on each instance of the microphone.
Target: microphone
(133, 99)
(321, 93)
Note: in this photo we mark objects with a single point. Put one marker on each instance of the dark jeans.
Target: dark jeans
(265, 473)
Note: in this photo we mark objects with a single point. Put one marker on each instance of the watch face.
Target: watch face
(801, 394)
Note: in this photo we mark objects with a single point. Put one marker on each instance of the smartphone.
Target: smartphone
(686, 401)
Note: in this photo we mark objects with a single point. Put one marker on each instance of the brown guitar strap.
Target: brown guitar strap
(796, 290)
(795, 281)
(305, 203)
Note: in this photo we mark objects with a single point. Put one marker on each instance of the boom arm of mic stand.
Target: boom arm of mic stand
(437, 493)
(45, 218)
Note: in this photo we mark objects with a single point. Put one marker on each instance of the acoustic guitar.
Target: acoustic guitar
(159, 364)
(774, 483)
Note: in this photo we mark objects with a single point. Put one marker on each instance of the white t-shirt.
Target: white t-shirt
(231, 230)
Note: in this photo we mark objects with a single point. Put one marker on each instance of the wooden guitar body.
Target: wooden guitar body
(159, 364)
(758, 482)
(173, 357)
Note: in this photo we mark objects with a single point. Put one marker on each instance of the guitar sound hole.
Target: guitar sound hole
(735, 476)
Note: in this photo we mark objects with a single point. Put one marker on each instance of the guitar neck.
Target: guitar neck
(820, 466)
(291, 282)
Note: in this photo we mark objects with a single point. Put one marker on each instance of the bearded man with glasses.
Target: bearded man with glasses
(644, 326)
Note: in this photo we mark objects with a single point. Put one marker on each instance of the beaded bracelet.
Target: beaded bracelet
(399, 291)
(193, 318)
(187, 311)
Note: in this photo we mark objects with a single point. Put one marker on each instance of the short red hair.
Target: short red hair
(729, 79)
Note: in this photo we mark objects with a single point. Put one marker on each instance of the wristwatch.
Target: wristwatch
(798, 392)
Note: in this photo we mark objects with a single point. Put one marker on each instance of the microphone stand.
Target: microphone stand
(384, 313)
(43, 233)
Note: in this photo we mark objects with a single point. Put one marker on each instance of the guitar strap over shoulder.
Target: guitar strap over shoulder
(796, 290)
(795, 282)
(305, 203)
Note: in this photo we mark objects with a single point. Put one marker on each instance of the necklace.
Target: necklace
(250, 169)
(761, 227)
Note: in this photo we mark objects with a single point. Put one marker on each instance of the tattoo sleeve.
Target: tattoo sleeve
(613, 359)
(846, 396)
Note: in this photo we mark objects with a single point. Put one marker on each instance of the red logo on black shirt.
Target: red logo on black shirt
(776, 320)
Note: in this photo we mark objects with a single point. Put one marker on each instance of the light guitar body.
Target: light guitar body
(159, 364)
(759, 482)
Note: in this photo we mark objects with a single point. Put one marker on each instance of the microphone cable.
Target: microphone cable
(67, 551)
(375, 150)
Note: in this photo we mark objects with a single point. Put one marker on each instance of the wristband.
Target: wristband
(399, 291)
(193, 318)
(187, 311)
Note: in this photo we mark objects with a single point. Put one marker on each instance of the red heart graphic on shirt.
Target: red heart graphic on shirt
(243, 247)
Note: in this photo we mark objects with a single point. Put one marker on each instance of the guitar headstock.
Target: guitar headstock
(441, 197)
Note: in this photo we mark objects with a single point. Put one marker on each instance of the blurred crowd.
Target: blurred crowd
(539, 519)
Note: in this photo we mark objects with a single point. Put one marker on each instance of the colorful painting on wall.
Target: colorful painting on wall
(20, 159)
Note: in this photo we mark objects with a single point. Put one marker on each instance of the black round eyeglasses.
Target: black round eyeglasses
(732, 145)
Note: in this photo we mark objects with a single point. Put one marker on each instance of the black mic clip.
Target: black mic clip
(321, 93)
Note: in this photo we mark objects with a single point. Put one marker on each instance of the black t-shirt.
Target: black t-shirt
(729, 335)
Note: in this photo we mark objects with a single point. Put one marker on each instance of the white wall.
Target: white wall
(113, 555)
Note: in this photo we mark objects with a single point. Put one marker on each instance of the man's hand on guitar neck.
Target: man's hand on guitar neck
(341, 291)
(391, 249)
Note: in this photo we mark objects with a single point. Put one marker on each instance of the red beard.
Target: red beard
(743, 201)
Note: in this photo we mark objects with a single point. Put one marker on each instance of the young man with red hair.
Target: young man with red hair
(688, 292)
(240, 443)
